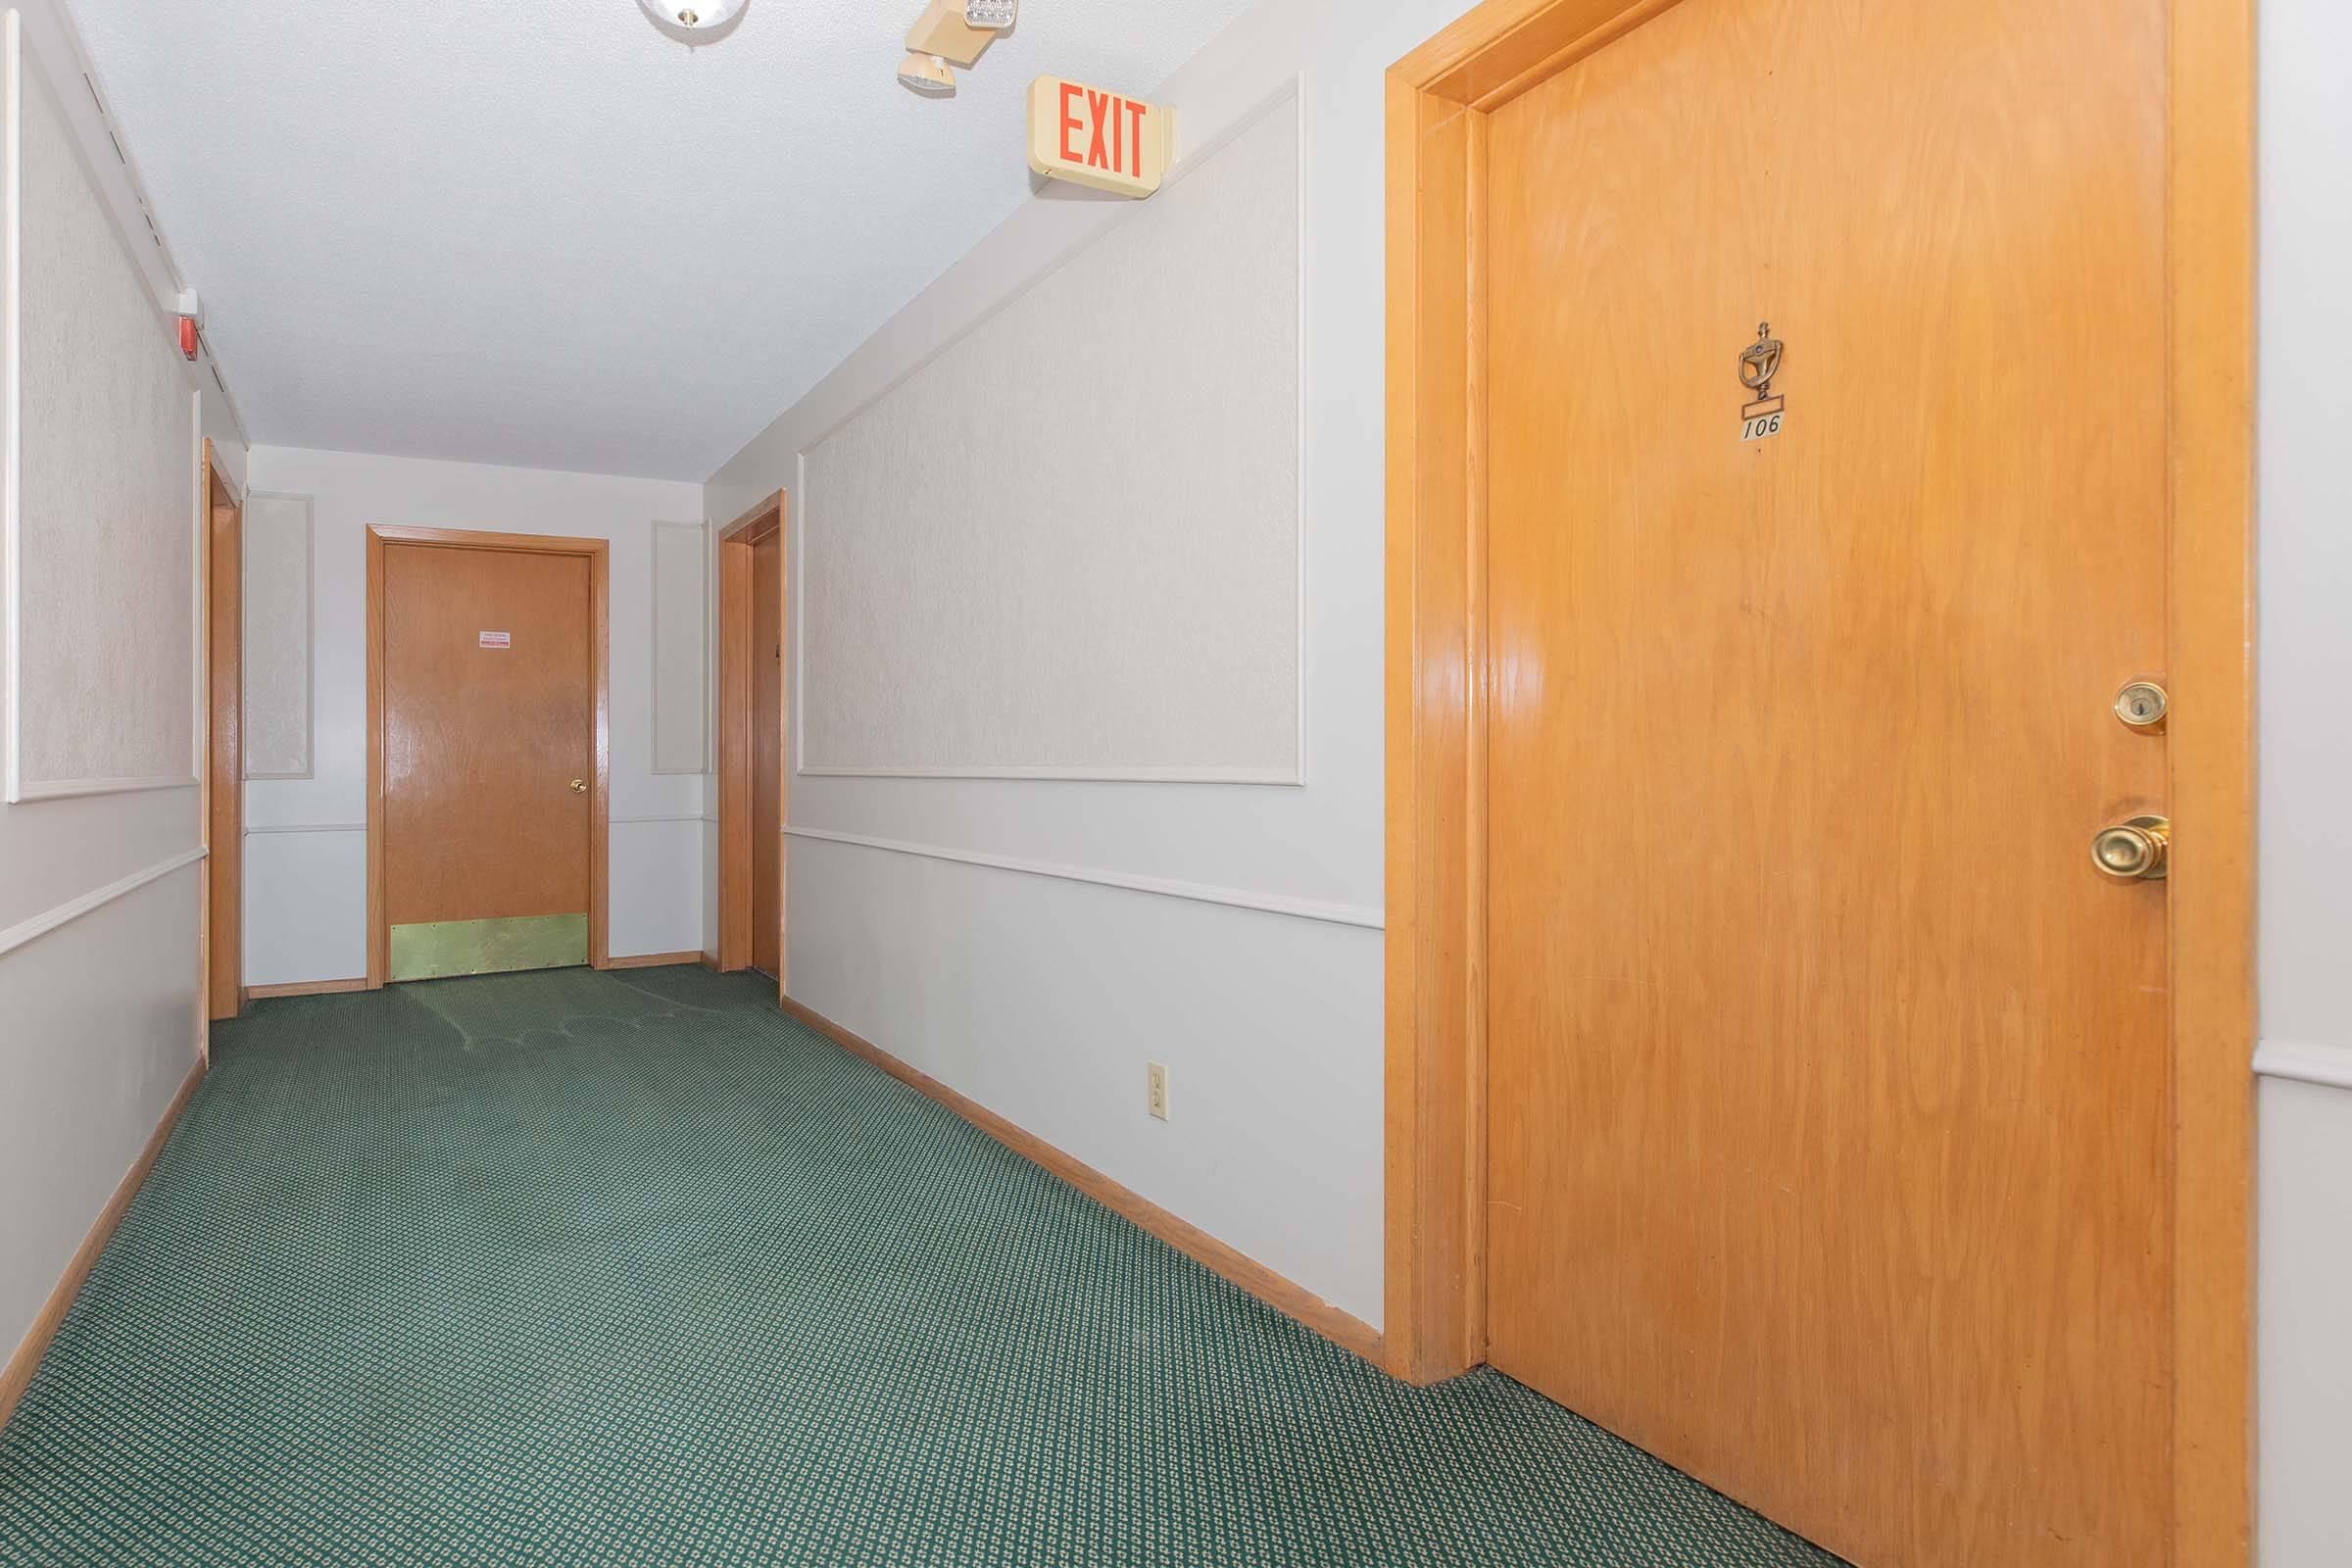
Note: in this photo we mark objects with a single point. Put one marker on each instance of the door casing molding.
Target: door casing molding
(220, 792)
(598, 553)
(738, 543)
(1440, 98)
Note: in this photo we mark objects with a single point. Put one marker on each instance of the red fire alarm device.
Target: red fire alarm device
(187, 337)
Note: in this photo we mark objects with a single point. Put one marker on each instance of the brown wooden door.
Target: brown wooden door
(767, 754)
(489, 757)
(1828, 1103)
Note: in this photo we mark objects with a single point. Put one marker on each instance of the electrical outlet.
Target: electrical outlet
(1159, 1089)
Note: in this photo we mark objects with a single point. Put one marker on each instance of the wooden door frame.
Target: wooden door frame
(737, 544)
(598, 553)
(1439, 100)
(221, 963)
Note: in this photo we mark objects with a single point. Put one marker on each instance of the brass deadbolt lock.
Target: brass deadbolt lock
(2142, 705)
(579, 786)
(2135, 851)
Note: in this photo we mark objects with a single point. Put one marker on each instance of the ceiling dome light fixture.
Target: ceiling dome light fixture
(694, 21)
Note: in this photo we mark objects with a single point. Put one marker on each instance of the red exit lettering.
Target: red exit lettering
(1095, 137)
(1113, 128)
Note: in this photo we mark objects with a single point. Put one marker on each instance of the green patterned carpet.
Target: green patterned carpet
(576, 1269)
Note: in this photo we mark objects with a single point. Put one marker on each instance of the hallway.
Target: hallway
(581, 1268)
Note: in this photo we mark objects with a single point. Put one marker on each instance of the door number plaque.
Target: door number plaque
(1759, 363)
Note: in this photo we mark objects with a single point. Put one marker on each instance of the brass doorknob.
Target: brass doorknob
(2134, 851)
(579, 786)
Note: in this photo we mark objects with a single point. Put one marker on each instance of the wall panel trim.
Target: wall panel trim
(1285, 779)
(2329, 1066)
(1364, 917)
(259, 829)
(82, 788)
(40, 925)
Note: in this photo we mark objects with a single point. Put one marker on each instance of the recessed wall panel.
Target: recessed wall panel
(1069, 545)
(681, 647)
(278, 636)
(101, 558)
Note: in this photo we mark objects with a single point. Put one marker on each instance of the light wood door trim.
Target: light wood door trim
(598, 554)
(2210, 245)
(306, 988)
(734, 758)
(738, 543)
(225, 745)
(1436, 662)
(1435, 1304)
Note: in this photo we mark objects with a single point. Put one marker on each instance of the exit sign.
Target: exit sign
(1101, 139)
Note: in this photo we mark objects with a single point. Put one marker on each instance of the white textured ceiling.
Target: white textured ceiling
(539, 232)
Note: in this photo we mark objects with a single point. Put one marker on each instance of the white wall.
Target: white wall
(2304, 1295)
(1046, 997)
(98, 893)
(306, 863)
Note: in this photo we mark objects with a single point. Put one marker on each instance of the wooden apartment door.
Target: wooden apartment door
(767, 754)
(1828, 1129)
(489, 736)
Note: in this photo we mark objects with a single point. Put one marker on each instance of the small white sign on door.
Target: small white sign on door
(498, 639)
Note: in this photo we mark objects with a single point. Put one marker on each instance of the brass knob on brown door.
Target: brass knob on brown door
(579, 786)
(2134, 851)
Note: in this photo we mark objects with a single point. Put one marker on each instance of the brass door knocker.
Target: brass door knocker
(1759, 363)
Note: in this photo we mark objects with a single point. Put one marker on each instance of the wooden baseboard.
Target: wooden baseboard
(709, 962)
(35, 1344)
(306, 988)
(654, 961)
(1347, 1332)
